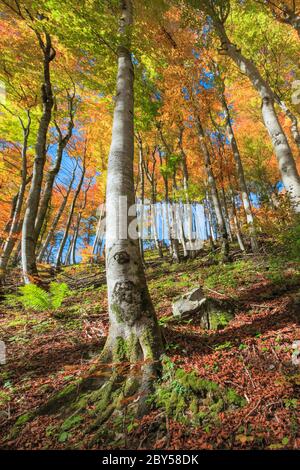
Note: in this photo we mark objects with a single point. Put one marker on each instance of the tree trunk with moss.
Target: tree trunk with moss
(130, 359)
(134, 334)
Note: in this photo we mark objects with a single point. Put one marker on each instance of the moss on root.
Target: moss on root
(112, 383)
(179, 393)
(20, 423)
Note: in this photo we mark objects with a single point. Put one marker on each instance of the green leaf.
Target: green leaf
(64, 436)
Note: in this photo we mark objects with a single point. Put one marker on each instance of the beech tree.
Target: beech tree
(219, 11)
(133, 323)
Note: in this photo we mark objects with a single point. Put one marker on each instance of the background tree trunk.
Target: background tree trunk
(16, 224)
(240, 174)
(213, 189)
(70, 217)
(286, 162)
(28, 232)
(56, 219)
(53, 171)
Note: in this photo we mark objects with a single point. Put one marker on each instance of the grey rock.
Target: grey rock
(189, 303)
(213, 313)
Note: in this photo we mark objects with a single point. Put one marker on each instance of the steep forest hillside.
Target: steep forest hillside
(149, 226)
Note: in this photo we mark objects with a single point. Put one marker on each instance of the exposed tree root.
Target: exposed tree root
(108, 388)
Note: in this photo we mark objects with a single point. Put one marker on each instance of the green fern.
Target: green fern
(35, 298)
(57, 293)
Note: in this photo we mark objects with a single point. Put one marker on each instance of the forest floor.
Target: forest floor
(250, 358)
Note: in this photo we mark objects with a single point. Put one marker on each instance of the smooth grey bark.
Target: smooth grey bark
(213, 188)
(54, 169)
(97, 237)
(30, 272)
(133, 322)
(157, 242)
(221, 192)
(173, 232)
(236, 223)
(210, 214)
(75, 238)
(67, 260)
(286, 162)
(56, 219)
(294, 121)
(70, 216)
(179, 215)
(16, 224)
(208, 221)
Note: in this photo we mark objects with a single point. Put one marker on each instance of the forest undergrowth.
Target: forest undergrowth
(232, 388)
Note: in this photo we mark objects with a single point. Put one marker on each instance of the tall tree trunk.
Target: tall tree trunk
(134, 333)
(99, 232)
(179, 214)
(16, 225)
(286, 162)
(213, 189)
(154, 228)
(70, 217)
(75, 238)
(208, 222)
(153, 207)
(173, 232)
(77, 226)
(67, 260)
(56, 219)
(224, 206)
(188, 207)
(236, 223)
(54, 169)
(30, 272)
(142, 187)
(240, 174)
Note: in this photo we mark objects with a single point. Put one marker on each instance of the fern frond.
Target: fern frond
(34, 297)
(58, 291)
